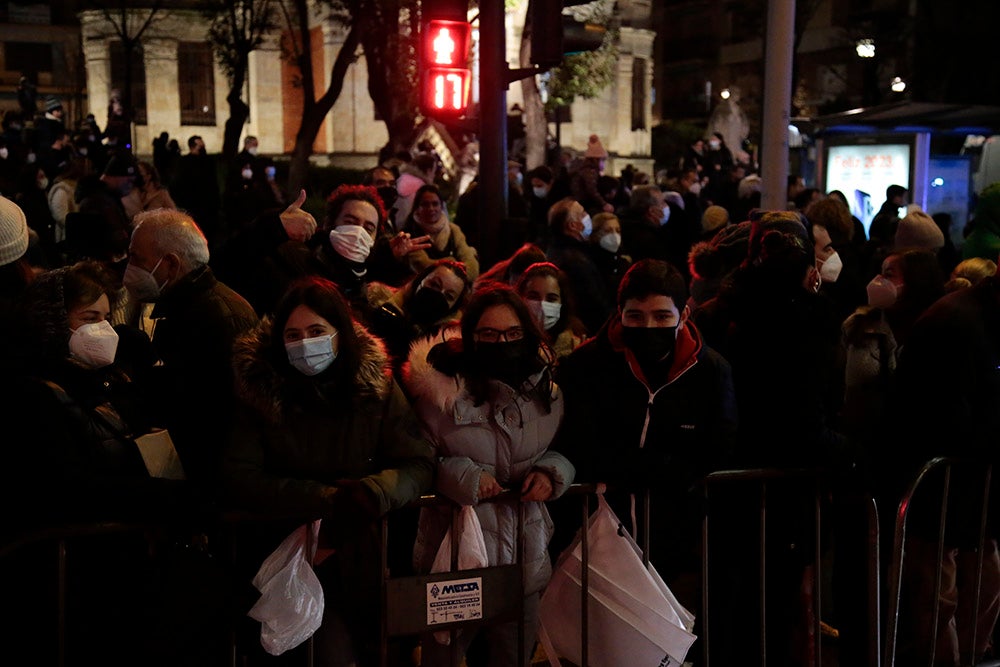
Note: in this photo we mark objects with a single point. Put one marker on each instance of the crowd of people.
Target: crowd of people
(642, 332)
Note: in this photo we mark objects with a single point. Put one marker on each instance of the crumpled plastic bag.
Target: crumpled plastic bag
(471, 553)
(290, 608)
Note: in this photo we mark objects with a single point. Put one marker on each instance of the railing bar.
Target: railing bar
(983, 515)
(942, 524)
(763, 573)
(585, 585)
(817, 578)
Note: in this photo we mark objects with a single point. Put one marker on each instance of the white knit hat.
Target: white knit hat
(13, 232)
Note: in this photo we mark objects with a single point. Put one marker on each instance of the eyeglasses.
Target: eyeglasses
(495, 335)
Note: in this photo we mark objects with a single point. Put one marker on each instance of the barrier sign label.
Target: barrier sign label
(454, 600)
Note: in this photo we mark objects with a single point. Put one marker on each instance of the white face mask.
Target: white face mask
(611, 241)
(695, 188)
(94, 344)
(588, 227)
(247, 174)
(140, 283)
(352, 242)
(830, 269)
(714, 145)
(43, 183)
(541, 193)
(311, 356)
(665, 215)
(545, 313)
(31, 158)
(252, 150)
(881, 292)
(4, 153)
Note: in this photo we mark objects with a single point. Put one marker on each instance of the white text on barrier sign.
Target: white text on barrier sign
(454, 600)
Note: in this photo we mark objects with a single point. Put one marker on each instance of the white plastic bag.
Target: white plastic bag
(290, 608)
(633, 617)
(471, 553)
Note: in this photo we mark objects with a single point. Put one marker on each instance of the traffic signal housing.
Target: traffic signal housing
(446, 80)
(555, 35)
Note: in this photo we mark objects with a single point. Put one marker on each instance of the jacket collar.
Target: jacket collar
(689, 344)
(180, 293)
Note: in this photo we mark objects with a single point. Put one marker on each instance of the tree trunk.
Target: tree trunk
(238, 114)
(536, 130)
(315, 111)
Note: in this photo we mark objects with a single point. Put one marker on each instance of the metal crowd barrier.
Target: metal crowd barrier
(404, 598)
(921, 482)
(764, 480)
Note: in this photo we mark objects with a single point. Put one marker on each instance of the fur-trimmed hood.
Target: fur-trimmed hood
(265, 387)
(424, 380)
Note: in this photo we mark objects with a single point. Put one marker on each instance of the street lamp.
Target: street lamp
(865, 48)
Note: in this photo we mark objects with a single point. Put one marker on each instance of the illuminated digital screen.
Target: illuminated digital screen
(863, 172)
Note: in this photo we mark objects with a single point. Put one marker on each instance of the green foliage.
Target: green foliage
(583, 75)
(586, 74)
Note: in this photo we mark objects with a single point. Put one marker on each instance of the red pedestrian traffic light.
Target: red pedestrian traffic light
(446, 80)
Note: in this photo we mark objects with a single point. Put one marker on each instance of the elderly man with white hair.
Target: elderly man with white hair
(196, 318)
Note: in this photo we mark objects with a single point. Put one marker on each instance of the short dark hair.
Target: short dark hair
(417, 196)
(653, 276)
(345, 193)
(193, 139)
(894, 191)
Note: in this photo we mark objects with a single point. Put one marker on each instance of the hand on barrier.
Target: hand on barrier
(488, 486)
(352, 509)
(537, 486)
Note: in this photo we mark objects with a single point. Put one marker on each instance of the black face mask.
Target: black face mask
(510, 363)
(388, 194)
(650, 345)
(428, 305)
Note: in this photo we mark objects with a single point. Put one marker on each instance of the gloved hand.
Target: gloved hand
(353, 509)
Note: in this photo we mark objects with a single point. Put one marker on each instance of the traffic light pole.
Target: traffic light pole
(493, 128)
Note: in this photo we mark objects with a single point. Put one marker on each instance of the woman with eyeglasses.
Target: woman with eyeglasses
(488, 402)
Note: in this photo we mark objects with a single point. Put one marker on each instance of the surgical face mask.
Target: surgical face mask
(311, 356)
(94, 344)
(541, 193)
(714, 145)
(611, 241)
(270, 172)
(140, 283)
(82, 152)
(352, 242)
(695, 188)
(247, 174)
(43, 183)
(252, 150)
(31, 157)
(588, 227)
(4, 153)
(829, 270)
(665, 215)
(545, 313)
(882, 293)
